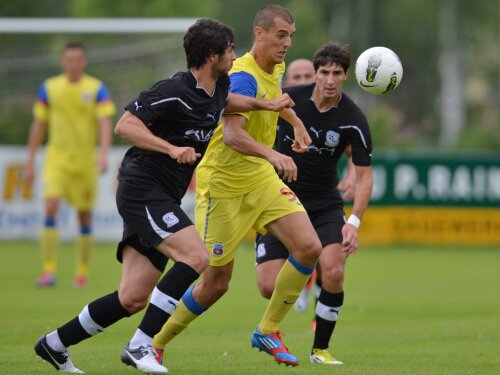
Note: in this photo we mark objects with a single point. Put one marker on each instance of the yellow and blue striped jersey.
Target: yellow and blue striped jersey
(225, 172)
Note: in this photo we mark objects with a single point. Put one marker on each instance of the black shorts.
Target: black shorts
(328, 225)
(149, 216)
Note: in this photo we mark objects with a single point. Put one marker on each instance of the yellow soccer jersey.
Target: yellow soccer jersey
(225, 172)
(72, 110)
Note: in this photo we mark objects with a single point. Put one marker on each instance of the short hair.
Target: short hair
(332, 52)
(266, 15)
(205, 38)
(74, 45)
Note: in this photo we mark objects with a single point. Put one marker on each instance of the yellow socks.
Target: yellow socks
(49, 243)
(84, 245)
(289, 283)
(179, 320)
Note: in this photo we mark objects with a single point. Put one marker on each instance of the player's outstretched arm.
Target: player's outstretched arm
(242, 103)
(235, 137)
(301, 136)
(133, 130)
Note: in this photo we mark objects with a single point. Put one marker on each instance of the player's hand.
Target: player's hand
(285, 166)
(102, 164)
(350, 240)
(283, 101)
(184, 155)
(29, 174)
(302, 139)
(346, 187)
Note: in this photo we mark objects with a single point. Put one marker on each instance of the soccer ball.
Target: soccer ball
(378, 70)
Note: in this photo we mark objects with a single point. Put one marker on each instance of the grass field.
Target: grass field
(406, 311)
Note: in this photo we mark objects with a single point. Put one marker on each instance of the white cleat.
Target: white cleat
(60, 360)
(303, 301)
(143, 359)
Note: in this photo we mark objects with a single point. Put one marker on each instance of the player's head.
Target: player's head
(273, 28)
(209, 40)
(299, 72)
(73, 60)
(331, 64)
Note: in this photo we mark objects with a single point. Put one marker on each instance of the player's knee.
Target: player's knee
(133, 303)
(266, 290)
(311, 248)
(333, 278)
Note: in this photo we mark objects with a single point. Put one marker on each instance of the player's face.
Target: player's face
(73, 62)
(299, 73)
(224, 62)
(329, 81)
(277, 40)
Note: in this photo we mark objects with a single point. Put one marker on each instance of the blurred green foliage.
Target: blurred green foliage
(409, 117)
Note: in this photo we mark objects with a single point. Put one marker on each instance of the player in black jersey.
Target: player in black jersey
(169, 126)
(333, 121)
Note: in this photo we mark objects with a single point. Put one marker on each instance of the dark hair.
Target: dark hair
(266, 15)
(204, 38)
(332, 52)
(73, 44)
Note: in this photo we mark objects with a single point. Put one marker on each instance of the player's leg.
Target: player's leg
(332, 261)
(138, 279)
(81, 194)
(84, 247)
(222, 224)
(49, 243)
(191, 258)
(270, 257)
(213, 285)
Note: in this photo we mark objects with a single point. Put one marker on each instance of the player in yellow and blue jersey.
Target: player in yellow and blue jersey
(76, 108)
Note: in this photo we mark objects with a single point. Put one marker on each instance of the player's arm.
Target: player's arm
(35, 138)
(133, 130)
(243, 103)
(105, 139)
(363, 191)
(347, 185)
(235, 137)
(301, 137)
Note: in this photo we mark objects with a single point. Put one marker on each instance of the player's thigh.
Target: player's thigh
(222, 224)
(53, 181)
(187, 247)
(81, 188)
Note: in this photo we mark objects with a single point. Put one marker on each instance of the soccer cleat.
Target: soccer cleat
(323, 356)
(80, 282)
(46, 279)
(271, 343)
(144, 359)
(303, 301)
(60, 360)
(159, 355)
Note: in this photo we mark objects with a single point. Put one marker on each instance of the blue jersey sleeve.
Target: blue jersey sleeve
(42, 94)
(103, 94)
(243, 83)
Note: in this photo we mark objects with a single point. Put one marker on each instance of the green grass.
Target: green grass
(406, 311)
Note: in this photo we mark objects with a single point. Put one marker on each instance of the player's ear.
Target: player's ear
(258, 32)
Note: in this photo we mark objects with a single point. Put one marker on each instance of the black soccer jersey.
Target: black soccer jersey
(177, 110)
(331, 132)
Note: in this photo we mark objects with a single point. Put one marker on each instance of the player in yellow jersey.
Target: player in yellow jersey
(238, 189)
(76, 108)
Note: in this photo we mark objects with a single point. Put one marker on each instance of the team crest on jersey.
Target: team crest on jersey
(86, 96)
(332, 138)
(218, 249)
(170, 219)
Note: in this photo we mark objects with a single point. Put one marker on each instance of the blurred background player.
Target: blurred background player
(77, 109)
(299, 72)
(333, 121)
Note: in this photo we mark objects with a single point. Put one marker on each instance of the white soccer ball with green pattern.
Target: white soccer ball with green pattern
(378, 70)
